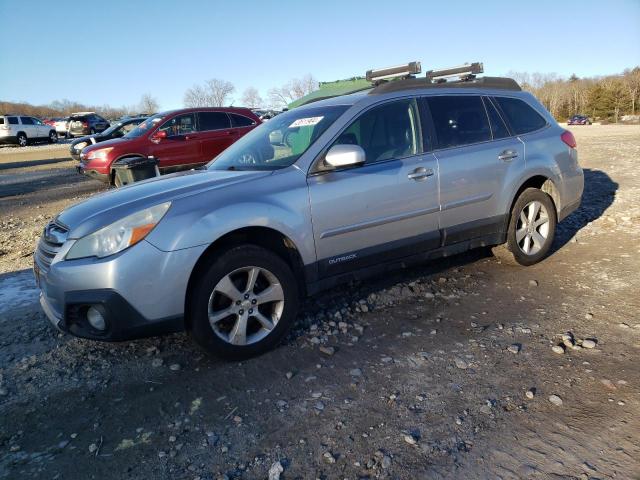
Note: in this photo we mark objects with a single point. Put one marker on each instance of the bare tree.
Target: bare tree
(631, 81)
(251, 98)
(148, 104)
(214, 93)
(196, 96)
(296, 88)
(219, 91)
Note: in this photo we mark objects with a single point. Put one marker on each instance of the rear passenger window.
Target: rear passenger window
(213, 121)
(498, 128)
(13, 120)
(386, 132)
(521, 117)
(241, 120)
(26, 120)
(459, 120)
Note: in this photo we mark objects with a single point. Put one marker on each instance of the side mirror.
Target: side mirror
(345, 156)
(159, 135)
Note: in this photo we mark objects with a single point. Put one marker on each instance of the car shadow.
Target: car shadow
(599, 194)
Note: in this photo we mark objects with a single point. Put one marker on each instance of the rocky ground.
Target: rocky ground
(463, 368)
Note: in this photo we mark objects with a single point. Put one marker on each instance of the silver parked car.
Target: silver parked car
(409, 170)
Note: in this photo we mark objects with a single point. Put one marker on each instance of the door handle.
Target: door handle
(507, 155)
(190, 137)
(420, 173)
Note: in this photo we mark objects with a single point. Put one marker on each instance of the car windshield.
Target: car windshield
(280, 142)
(146, 126)
(112, 128)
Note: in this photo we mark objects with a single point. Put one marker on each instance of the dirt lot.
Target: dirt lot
(443, 371)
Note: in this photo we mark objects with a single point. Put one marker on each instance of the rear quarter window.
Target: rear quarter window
(241, 120)
(1, 120)
(520, 115)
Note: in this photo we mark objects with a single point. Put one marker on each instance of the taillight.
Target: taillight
(568, 138)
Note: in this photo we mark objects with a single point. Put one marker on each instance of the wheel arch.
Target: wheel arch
(266, 237)
(541, 182)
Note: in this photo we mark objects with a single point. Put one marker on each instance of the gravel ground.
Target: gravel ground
(448, 370)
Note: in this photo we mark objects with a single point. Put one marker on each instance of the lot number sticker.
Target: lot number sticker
(306, 122)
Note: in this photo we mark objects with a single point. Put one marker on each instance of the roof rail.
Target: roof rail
(498, 83)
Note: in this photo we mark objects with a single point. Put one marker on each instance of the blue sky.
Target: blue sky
(115, 50)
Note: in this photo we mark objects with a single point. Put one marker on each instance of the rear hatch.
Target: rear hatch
(78, 124)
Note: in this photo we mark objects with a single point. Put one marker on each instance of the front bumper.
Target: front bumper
(140, 291)
(92, 173)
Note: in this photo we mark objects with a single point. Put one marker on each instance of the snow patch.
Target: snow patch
(17, 290)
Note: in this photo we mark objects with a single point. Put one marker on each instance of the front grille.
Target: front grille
(53, 236)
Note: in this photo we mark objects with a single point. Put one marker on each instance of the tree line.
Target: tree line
(606, 98)
(63, 108)
(219, 93)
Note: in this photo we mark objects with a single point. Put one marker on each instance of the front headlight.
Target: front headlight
(80, 145)
(100, 154)
(119, 235)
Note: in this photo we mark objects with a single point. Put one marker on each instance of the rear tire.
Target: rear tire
(532, 227)
(243, 303)
(22, 140)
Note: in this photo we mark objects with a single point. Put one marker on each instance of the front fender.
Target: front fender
(203, 219)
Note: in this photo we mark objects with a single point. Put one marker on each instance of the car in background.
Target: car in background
(117, 129)
(62, 126)
(178, 139)
(579, 120)
(50, 121)
(22, 129)
(86, 123)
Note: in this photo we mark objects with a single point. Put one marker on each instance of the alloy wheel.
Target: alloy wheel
(246, 305)
(532, 229)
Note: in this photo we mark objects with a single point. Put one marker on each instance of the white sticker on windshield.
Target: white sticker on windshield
(306, 122)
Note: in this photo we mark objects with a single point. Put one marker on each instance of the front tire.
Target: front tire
(22, 140)
(53, 137)
(243, 304)
(532, 227)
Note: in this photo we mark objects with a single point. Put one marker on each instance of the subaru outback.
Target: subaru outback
(410, 169)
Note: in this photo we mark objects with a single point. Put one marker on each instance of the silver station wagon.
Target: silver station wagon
(410, 169)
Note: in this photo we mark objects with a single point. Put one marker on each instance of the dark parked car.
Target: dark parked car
(579, 120)
(117, 129)
(86, 123)
(178, 139)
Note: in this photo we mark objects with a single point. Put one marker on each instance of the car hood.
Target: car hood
(108, 143)
(86, 138)
(106, 208)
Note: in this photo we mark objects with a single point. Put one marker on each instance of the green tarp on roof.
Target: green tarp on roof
(331, 89)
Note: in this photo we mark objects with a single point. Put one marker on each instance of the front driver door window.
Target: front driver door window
(179, 125)
(378, 211)
(181, 148)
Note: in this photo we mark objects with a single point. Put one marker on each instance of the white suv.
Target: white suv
(21, 130)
